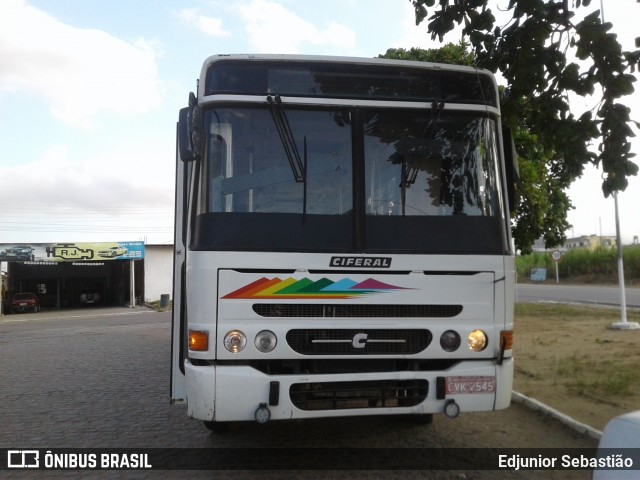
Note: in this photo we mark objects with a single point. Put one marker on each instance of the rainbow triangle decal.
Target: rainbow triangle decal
(305, 288)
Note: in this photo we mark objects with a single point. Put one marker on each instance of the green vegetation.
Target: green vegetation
(558, 311)
(589, 266)
(585, 375)
(568, 357)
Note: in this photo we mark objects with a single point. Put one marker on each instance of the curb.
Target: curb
(536, 405)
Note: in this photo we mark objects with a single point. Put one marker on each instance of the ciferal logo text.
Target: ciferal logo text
(361, 262)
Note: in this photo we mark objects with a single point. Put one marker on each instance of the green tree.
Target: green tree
(541, 201)
(534, 52)
(541, 204)
(453, 54)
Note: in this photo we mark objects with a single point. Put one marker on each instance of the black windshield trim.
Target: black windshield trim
(286, 232)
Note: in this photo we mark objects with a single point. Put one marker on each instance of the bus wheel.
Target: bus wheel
(216, 427)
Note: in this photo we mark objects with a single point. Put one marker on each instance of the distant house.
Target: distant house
(591, 242)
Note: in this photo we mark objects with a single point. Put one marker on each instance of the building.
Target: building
(591, 242)
(68, 275)
(158, 272)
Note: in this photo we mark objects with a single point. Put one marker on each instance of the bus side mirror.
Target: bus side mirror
(189, 131)
(511, 166)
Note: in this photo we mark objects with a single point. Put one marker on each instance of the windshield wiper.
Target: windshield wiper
(298, 165)
(411, 168)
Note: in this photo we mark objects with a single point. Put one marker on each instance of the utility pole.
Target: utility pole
(132, 281)
(622, 324)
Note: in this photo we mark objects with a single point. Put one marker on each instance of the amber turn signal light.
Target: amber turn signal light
(506, 339)
(198, 340)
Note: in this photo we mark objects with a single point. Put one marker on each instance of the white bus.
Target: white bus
(343, 241)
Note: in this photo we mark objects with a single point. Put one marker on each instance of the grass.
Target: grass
(582, 376)
(568, 357)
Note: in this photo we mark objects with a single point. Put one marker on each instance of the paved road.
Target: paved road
(103, 382)
(587, 294)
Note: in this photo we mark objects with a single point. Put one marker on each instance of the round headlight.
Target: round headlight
(266, 341)
(477, 340)
(235, 341)
(450, 341)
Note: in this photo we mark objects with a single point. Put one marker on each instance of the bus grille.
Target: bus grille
(358, 394)
(357, 311)
(358, 342)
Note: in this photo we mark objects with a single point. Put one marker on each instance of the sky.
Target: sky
(90, 92)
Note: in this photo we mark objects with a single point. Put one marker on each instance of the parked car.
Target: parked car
(113, 252)
(24, 302)
(17, 254)
(89, 296)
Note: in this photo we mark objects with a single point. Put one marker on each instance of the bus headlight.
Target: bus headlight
(266, 341)
(477, 340)
(450, 341)
(235, 341)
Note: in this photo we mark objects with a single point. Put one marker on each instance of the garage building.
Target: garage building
(69, 275)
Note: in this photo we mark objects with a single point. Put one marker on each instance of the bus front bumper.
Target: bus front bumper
(224, 393)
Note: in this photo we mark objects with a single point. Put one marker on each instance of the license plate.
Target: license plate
(464, 385)
(23, 304)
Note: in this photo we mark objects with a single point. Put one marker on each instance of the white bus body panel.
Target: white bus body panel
(223, 392)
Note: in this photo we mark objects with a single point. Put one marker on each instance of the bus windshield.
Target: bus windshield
(367, 171)
(248, 169)
(430, 164)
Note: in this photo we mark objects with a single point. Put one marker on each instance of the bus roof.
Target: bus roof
(346, 77)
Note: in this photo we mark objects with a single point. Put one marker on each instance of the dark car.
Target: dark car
(24, 254)
(24, 302)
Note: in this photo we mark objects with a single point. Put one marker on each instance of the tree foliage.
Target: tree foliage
(545, 54)
(541, 200)
(453, 54)
(541, 204)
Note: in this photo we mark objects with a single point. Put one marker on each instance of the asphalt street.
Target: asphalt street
(94, 379)
(581, 294)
